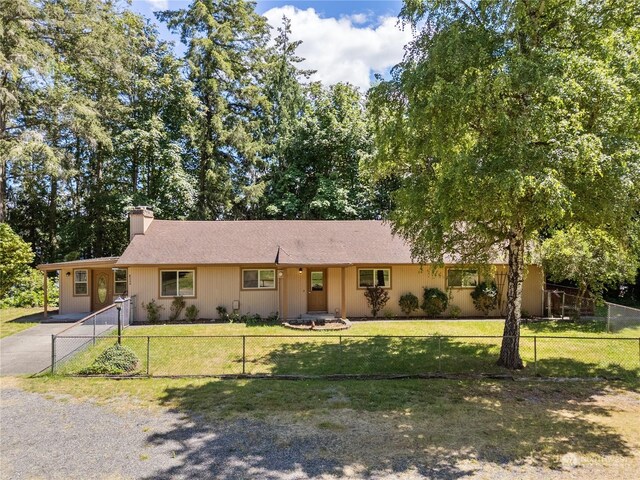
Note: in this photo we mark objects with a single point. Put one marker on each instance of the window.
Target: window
(457, 277)
(120, 282)
(178, 283)
(257, 279)
(380, 277)
(80, 282)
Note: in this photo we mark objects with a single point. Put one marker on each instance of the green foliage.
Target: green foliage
(485, 297)
(317, 174)
(434, 302)
(256, 320)
(153, 310)
(177, 306)
(15, 257)
(408, 303)
(222, 313)
(28, 291)
(115, 360)
(226, 48)
(191, 313)
(454, 311)
(377, 297)
(590, 257)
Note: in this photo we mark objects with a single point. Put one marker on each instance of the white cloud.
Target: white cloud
(339, 49)
(158, 4)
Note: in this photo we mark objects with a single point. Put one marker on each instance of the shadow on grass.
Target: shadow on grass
(444, 429)
(586, 327)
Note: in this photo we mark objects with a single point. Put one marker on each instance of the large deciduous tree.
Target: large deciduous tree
(508, 118)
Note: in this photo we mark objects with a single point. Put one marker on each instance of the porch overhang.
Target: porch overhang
(88, 263)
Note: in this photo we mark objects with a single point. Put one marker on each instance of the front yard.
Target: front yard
(385, 347)
(330, 429)
(374, 429)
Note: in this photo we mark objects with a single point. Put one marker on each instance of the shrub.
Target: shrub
(434, 301)
(28, 291)
(454, 311)
(257, 320)
(114, 360)
(485, 297)
(153, 311)
(388, 313)
(377, 298)
(177, 306)
(15, 257)
(191, 313)
(222, 314)
(408, 303)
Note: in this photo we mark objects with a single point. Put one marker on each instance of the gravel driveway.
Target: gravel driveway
(60, 438)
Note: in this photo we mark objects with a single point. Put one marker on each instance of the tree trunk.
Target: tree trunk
(3, 190)
(510, 351)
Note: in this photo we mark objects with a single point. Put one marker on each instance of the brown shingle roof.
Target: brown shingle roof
(287, 242)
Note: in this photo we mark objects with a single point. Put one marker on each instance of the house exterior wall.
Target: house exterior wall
(221, 286)
(68, 302)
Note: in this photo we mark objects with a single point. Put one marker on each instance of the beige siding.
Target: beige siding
(69, 303)
(334, 290)
(296, 291)
(215, 286)
(409, 278)
(221, 286)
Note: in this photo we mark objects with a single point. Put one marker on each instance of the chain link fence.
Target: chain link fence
(354, 355)
(89, 331)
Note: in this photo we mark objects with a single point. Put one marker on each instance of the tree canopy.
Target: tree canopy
(97, 114)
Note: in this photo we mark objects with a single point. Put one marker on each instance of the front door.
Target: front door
(101, 290)
(317, 288)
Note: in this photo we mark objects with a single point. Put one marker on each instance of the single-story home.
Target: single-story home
(292, 267)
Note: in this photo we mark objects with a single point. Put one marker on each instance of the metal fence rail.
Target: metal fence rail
(87, 332)
(335, 355)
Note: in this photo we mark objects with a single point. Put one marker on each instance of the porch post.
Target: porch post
(285, 298)
(343, 298)
(46, 294)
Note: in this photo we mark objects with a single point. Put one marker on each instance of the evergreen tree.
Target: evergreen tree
(226, 47)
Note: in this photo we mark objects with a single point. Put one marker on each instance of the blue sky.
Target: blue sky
(345, 41)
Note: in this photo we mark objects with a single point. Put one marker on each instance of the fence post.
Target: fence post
(535, 355)
(562, 306)
(148, 353)
(608, 317)
(53, 354)
(439, 356)
(340, 354)
(94, 330)
(244, 354)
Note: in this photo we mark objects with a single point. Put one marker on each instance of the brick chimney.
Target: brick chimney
(139, 220)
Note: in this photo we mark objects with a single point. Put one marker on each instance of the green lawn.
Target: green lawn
(182, 350)
(14, 320)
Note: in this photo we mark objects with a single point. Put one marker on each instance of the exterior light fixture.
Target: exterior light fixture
(300, 270)
(68, 274)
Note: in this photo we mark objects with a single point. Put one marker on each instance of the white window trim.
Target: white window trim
(464, 270)
(275, 278)
(75, 282)
(177, 271)
(386, 287)
(125, 281)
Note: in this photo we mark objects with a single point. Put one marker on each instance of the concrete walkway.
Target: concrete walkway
(29, 351)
